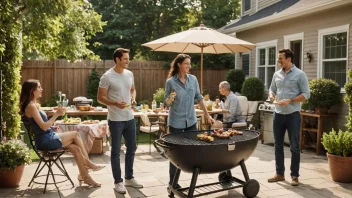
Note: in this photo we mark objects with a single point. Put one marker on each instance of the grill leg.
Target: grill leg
(175, 181)
(193, 182)
(244, 170)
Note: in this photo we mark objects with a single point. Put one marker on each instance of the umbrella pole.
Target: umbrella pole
(201, 71)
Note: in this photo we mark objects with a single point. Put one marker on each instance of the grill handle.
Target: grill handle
(161, 144)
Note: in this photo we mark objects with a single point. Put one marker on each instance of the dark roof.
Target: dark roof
(280, 7)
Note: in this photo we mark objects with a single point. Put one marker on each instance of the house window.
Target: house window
(247, 5)
(266, 61)
(245, 64)
(334, 44)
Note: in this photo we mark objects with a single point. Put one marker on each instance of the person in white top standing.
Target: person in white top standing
(117, 92)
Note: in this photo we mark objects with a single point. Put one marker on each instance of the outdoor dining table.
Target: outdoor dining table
(88, 132)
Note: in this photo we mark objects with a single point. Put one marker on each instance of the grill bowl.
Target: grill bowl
(210, 157)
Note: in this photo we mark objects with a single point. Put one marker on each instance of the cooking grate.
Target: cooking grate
(190, 138)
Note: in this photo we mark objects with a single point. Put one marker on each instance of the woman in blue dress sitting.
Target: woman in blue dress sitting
(47, 139)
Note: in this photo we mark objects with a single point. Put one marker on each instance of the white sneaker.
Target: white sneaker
(133, 183)
(120, 188)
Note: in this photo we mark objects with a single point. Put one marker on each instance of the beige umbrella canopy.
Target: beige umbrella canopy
(200, 40)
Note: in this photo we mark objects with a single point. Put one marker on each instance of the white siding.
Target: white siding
(312, 24)
(265, 3)
(251, 10)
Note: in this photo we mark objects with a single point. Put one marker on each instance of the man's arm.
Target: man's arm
(133, 93)
(272, 89)
(103, 99)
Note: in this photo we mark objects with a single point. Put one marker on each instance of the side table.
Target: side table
(318, 130)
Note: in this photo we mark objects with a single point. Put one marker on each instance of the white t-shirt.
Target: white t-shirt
(119, 89)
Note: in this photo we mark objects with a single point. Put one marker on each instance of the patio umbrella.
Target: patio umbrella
(200, 40)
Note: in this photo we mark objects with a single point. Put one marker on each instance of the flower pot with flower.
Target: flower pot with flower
(14, 154)
(339, 147)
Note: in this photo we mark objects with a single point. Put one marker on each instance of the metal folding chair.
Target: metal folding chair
(47, 159)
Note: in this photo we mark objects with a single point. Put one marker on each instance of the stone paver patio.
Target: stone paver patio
(152, 172)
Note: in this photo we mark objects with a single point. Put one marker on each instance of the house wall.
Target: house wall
(265, 3)
(309, 25)
(251, 10)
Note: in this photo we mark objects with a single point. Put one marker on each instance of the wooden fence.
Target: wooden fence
(72, 78)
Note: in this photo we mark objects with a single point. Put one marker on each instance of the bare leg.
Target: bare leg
(75, 150)
(83, 172)
(73, 137)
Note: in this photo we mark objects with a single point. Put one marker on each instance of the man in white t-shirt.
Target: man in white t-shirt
(117, 91)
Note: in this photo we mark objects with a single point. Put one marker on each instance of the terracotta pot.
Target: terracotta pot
(321, 110)
(340, 168)
(11, 178)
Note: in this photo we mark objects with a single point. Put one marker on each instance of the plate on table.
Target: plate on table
(90, 122)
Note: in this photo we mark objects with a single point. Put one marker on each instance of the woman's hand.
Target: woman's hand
(60, 111)
(210, 120)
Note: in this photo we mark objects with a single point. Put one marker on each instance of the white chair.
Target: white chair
(148, 127)
(248, 110)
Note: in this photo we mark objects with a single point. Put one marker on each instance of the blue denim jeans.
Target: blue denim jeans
(291, 123)
(127, 129)
(172, 169)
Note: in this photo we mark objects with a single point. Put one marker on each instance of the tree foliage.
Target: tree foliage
(53, 29)
(93, 85)
(44, 28)
(131, 23)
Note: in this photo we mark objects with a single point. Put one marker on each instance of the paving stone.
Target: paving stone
(153, 172)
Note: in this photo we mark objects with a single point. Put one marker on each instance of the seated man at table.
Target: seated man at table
(231, 108)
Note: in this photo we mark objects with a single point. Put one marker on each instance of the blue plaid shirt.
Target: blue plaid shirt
(182, 113)
(289, 86)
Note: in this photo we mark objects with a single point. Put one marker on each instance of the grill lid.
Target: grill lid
(190, 138)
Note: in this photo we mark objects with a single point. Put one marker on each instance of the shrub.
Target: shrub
(324, 93)
(306, 105)
(159, 95)
(338, 143)
(253, 89)
(348, 100)
(236, 78)
(93, 85)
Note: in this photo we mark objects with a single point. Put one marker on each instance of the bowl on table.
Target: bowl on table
(84, 108)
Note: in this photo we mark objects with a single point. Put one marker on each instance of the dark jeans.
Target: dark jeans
(172, 169)
(127, 129)
(291, 123)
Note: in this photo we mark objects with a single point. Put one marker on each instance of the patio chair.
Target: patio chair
(247, 117)
(248, 110)
(152, 128)
(47, 159)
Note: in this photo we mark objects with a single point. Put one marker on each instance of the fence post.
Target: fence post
(140, 80)
(54, 77)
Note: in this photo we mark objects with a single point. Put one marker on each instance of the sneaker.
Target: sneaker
(276, 178)
(294, 181)
(169, 188)
(120, 188)
(133, 183)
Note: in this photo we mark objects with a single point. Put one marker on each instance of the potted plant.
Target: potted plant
(14, 154)
(339, 147)
(324, 93)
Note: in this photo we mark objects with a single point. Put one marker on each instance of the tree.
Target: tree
(93, 85)
(134, 22)
(131, 23)
(44, 28)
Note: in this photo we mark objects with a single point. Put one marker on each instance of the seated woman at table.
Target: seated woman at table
(47, 139)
